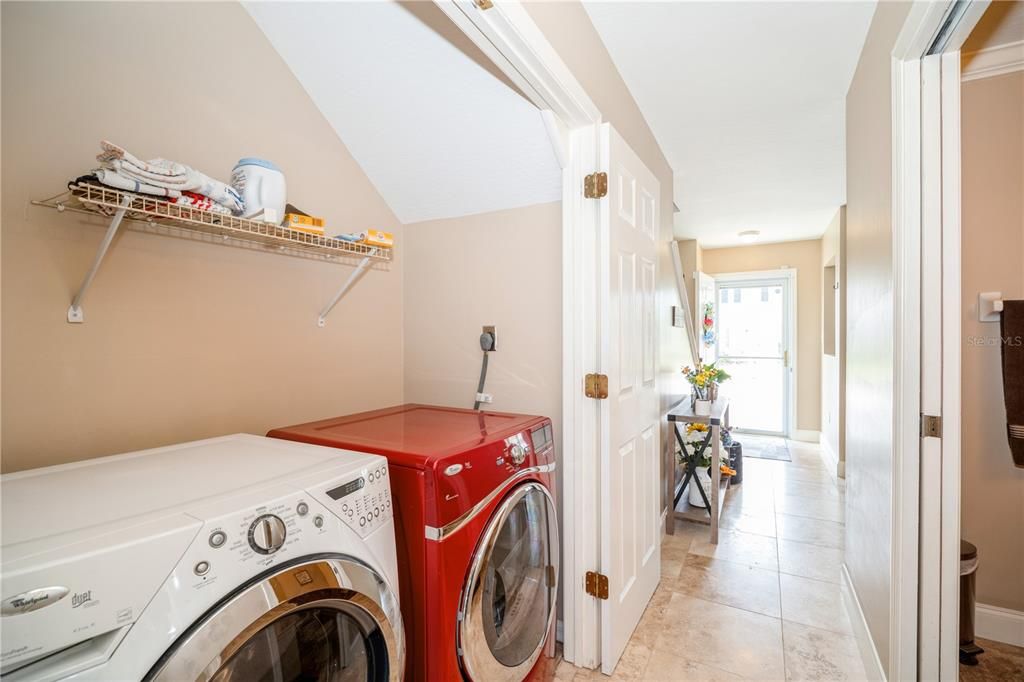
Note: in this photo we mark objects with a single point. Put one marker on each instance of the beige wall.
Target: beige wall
(182, 339)
(502, 268)
(992, 507)
(805, 257)
(833, 367)
(570, 31)
(869, 319)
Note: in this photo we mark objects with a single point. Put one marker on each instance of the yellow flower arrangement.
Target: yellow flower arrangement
(704, 376)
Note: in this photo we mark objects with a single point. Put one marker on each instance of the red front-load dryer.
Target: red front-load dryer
(477, 534)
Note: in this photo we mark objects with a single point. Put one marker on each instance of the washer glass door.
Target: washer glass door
(508, 602)
(331, 619)
(317, 643)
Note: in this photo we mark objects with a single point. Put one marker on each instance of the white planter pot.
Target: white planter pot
(705, 481)
(702, 407)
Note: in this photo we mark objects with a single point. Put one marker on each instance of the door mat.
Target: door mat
(764, 447)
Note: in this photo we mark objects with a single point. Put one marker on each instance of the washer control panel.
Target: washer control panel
(364, 502)
(517, 448)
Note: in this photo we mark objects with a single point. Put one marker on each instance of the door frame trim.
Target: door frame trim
(924, 568)
(789, 276)
(507, 34)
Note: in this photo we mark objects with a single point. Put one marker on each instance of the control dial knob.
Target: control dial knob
(267, 534)
(518, 454)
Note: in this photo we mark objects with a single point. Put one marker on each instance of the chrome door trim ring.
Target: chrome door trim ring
(220, 632)
(439, 534)
(481, 553)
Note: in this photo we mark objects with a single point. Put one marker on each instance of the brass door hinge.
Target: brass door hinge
(595, 185)
(596, 386)
(484, 4)
(931, 426)
(597, 585)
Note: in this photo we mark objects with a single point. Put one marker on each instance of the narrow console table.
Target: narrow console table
(681, 415)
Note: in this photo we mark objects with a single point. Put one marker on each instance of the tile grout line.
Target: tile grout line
(778, 576)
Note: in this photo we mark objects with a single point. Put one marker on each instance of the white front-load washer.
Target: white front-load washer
(229, 559)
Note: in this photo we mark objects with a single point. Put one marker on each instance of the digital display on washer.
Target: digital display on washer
(541, 437)
(346, 489)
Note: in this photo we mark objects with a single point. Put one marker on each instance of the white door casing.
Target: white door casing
(926, 262)
(630, 462)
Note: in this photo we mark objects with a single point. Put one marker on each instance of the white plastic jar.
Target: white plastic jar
(262, 187)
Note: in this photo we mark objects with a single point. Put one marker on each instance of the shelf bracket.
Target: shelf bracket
(75, 314)
(360, 269)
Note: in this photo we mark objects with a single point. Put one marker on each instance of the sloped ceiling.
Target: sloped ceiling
(747, 100)
(433, 126)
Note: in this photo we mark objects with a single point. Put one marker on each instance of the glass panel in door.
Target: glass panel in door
(753, 349)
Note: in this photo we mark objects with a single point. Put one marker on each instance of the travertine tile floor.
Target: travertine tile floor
(765, 603)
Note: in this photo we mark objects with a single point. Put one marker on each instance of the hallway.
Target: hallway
(766, 603)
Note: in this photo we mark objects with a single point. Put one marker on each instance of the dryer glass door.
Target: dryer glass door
(508, 602)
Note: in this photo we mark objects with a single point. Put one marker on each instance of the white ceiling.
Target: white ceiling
(747, 100)
(437, 133)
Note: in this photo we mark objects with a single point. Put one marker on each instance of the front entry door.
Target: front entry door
(754, 347)
(630, 453)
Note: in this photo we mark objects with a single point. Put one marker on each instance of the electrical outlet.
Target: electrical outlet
(492, 330)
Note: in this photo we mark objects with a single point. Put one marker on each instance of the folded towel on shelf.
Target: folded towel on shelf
(125, 168)
(201, 202)
(1011, 327)
(168, 174)
(112, 152)
(114, 179)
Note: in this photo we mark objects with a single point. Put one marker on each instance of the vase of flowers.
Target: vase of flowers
(704, 380)
(697, 455)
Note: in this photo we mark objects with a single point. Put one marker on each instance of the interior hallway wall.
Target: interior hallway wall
(992, 505)
(805, 257)
(182, 339)
(833, 366)
(869, 321)
(568, 28)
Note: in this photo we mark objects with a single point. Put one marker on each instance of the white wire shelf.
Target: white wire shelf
(150, 214)
(106, 201)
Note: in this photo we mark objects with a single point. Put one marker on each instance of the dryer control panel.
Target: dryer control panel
(364, 502)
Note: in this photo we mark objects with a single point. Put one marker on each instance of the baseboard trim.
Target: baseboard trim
(999, 624)
(832, 459)
(868, 653)
(806, 436)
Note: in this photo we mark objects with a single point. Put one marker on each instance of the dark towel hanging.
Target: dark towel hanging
(1011, 327)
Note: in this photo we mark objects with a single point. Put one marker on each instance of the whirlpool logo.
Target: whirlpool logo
(32, 600)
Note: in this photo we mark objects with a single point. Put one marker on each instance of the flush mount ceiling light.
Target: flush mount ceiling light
(749, 236)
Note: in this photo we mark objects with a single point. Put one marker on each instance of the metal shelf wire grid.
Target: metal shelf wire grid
(106, 201)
